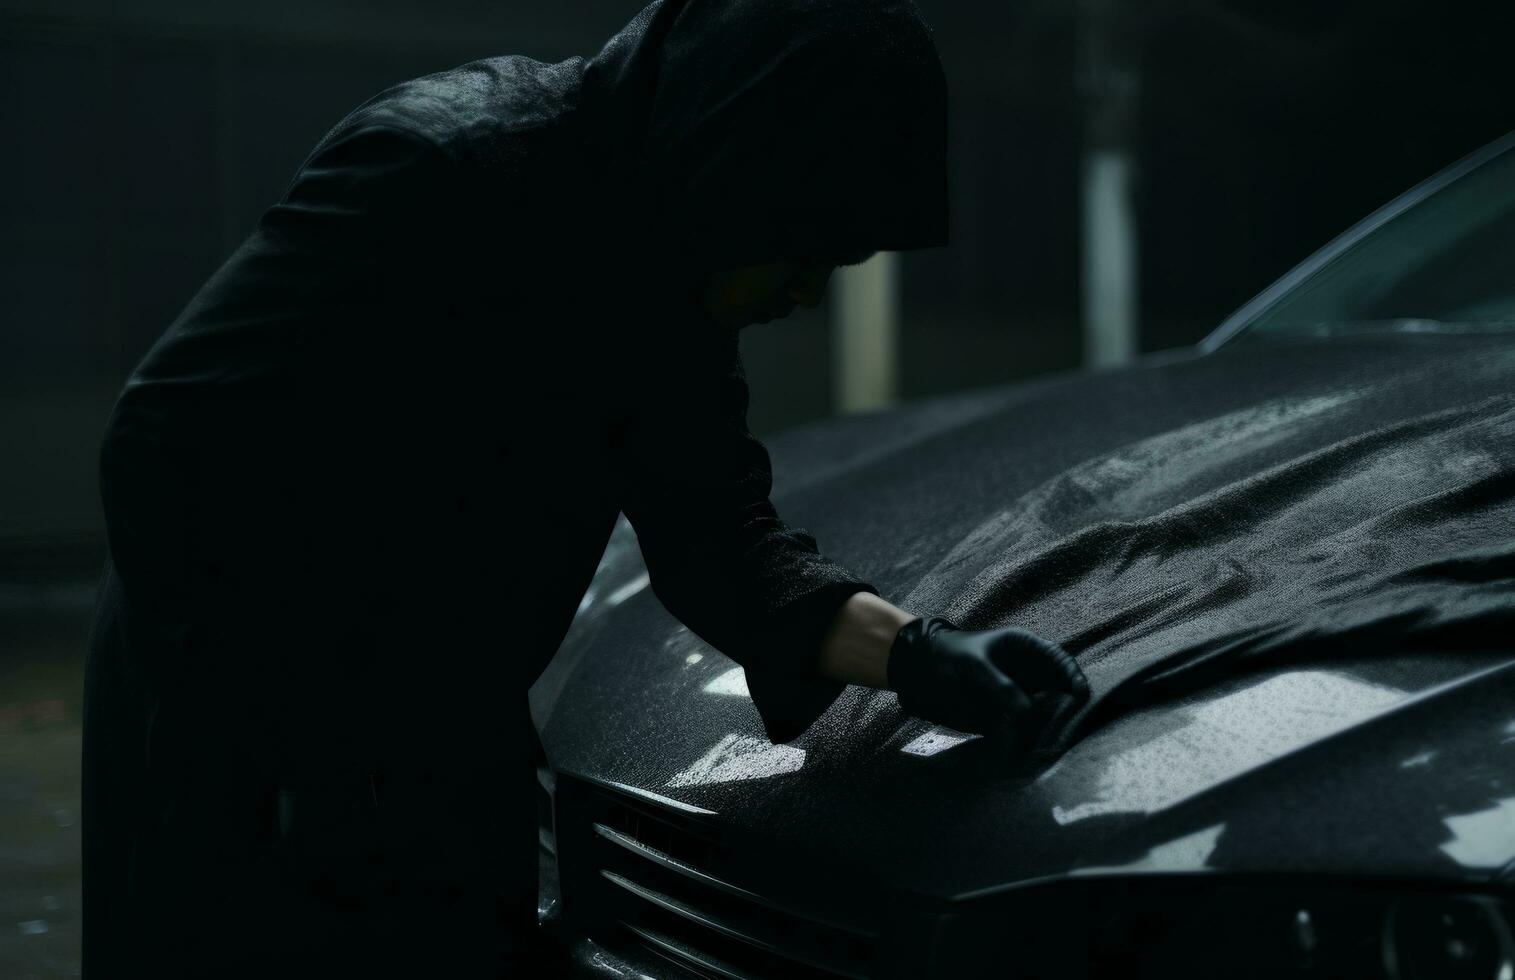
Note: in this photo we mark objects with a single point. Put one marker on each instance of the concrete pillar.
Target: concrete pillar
(1109, 76)
(1109, 250)
(865, 328)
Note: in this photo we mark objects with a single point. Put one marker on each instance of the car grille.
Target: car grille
(633, 872)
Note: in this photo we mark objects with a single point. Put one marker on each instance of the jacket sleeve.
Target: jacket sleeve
(695, 483)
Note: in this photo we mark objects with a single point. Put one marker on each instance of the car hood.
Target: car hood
(1331, 757)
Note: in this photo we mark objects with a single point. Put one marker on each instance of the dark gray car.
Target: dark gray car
(1286, 559)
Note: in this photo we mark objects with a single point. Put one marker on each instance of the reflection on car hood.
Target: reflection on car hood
(1333, 756)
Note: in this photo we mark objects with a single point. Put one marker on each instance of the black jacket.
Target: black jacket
(357, 489)
(423, 387)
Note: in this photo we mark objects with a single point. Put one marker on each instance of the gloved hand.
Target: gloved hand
(1005, 681)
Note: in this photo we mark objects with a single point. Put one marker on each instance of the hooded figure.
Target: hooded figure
(356, 490)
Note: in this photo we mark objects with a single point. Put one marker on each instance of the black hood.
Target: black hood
(759, 130)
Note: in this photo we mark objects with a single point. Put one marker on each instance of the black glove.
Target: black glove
(1004, 681)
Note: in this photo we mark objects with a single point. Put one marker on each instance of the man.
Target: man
(356, 490)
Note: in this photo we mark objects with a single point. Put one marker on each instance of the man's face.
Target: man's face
(770, 291)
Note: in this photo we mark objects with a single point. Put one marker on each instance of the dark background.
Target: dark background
(142, 139)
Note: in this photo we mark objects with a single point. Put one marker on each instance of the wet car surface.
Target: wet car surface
(1339, 803)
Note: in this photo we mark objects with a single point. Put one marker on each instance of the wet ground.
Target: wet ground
(43, 633)
(45, 620)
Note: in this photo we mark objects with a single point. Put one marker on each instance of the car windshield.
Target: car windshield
(1441, 259)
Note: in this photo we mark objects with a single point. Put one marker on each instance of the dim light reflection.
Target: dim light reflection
(1484, 838)
(731, 683)
(740, 757)
(628, 590)
(1218, 740)
(1190, 852)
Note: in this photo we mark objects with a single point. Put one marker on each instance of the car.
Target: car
(1286, 560)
